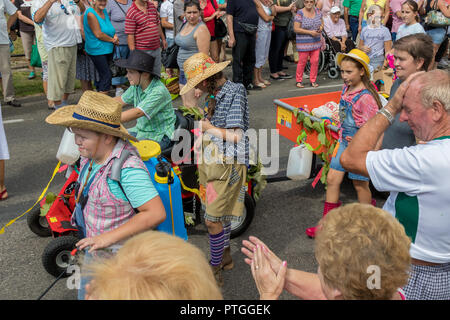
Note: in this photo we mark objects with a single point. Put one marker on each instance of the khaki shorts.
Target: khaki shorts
(27, 42)
(222, 190)
(62, 63)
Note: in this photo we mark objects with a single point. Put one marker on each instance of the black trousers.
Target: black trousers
(348, 44)
(277, 44)
(243, 58)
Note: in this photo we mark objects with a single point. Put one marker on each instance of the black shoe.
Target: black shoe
(276, 78)
(14, 103)
(253, 87)
(285, 76)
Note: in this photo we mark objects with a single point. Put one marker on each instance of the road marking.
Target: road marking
(13, 121)
(321, 87)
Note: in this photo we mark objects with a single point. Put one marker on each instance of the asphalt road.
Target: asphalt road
(282, 214)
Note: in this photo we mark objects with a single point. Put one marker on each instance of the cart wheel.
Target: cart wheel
(239, 227)
(37, 224)
(56, 256)
(333, 73)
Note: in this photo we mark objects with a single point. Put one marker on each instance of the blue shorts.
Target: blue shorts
(437, 35)
(336, 164)
(182, 78)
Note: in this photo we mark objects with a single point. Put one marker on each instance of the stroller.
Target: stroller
(327, 59)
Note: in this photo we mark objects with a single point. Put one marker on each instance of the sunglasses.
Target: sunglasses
(64, 8)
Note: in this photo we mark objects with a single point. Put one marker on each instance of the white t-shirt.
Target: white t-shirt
(418, 178)
(6, 7)
(405, 30)
(59, 28)
(166, 11)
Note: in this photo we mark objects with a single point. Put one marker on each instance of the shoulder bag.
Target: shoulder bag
(220, 29)
(435, 18)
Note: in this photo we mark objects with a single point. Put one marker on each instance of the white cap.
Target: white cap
(335, 9)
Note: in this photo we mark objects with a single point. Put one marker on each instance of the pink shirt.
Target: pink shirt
(363, 109)
(334, 29)
(396, 5)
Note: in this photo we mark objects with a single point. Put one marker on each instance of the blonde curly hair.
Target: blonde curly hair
(154, 266)
(353, 238)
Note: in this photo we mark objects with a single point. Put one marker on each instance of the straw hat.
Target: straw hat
(95, 111)
(358, 55)
(198, 68)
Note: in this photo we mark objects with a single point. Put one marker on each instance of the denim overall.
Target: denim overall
(349, 129)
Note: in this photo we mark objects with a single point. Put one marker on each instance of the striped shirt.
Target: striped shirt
(144, 27)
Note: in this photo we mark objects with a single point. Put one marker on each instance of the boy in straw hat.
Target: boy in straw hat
(222, 173)
(104, 210)
(153, 110)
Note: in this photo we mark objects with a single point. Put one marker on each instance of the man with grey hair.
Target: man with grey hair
(418, 177)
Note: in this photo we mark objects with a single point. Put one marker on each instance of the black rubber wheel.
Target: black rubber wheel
(333, 73)
(239, 227)
(56, 256)
(37, 224)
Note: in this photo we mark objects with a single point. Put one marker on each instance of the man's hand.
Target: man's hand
(395, 104)
(231, 42)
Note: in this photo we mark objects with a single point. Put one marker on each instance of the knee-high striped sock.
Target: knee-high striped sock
(227, 232)
(216, 246)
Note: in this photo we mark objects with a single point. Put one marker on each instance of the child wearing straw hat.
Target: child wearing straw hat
(104, 211)
(359, 102)
(223, 169)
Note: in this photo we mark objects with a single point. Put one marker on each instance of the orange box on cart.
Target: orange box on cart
(287, 122)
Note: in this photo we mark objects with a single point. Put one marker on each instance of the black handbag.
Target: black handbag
(220, 29)
(248, 28)
(169, 57)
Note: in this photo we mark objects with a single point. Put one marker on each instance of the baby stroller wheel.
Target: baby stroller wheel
(333, 73)
(38, 224)
(57, 254)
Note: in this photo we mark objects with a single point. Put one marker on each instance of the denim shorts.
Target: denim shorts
(182, 78)
(336, 164)
(437, 35)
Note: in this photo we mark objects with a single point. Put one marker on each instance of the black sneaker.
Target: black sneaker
(253, 87)
(14, 103)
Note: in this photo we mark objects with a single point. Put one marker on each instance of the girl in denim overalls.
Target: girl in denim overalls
(359, 102)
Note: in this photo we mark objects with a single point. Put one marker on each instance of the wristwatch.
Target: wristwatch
(385, 112)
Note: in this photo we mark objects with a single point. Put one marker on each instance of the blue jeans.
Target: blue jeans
(120, 52)
(354, 23)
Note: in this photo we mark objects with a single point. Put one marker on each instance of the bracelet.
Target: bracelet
(385, 112)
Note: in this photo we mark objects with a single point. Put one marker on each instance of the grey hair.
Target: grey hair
(435, 86)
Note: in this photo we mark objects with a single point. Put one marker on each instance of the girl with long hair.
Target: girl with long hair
(359, 102)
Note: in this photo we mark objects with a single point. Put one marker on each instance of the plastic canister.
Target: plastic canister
(68, 151)
(299, 163)
(169, 188)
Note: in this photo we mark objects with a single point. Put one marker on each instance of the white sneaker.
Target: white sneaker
(119, 92)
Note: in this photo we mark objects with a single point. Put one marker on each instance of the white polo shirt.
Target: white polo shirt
(418, 178)
(6, 7)
(59, 28)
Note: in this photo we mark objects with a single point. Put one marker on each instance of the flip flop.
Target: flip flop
(275, 78)
(267, 83)
(299, 85)
(260, 84)
(314, 85)
(2, 194)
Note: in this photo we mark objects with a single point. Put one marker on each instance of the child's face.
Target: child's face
(351, 74)
(408, 15)
(374, 19)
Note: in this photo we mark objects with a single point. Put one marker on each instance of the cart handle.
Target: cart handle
(286, 106)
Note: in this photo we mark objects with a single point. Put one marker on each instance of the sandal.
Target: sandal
(267, 83)
(299, 85)
(314, 84)
(2, 197)
(260, 84)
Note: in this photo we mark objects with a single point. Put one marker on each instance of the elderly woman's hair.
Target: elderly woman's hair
(417, 46)
(435, 87)
(154, 266)
(355, 238)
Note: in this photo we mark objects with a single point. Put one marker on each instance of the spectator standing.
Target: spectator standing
(416, 177)
(308, 26)
(193, 37)
(242, 23)
(396, 10)
(4, 155)
(437, 34)
(166, 14)
(26, 27)
(142, 25)
(280, 38)
(365, 5)
(100, 38)
(6, 7)
(336, 31)
(325, 6)
(211, 12)
(117, 12)
(178, 16)
(266, 11)
(61, 36)
(410, 18)
(351, 16)
(376, 39)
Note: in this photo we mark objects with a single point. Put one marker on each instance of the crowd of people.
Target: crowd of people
(402, 146)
